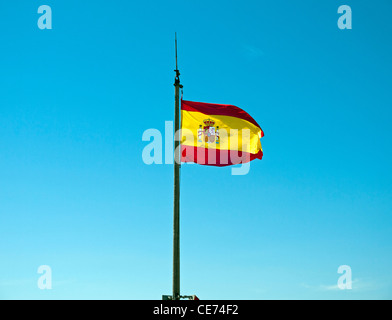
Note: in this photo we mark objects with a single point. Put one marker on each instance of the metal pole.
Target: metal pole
(176, 204)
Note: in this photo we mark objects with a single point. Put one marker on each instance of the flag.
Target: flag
(218, 134)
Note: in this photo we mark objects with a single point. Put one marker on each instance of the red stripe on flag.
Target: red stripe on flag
(216, 157)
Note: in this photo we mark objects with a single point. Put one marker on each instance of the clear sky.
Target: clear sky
(76, 195)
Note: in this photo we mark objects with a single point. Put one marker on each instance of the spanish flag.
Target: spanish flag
(218, 134)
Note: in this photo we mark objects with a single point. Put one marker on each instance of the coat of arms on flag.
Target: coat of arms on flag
(208, 133)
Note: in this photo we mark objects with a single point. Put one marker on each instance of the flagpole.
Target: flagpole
(176, 203)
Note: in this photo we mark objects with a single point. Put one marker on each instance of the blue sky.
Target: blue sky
(75, 194)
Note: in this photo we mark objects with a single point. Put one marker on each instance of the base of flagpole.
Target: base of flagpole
(192, 297)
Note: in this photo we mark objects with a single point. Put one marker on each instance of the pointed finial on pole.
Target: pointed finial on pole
(176, 71)
(175, 39)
